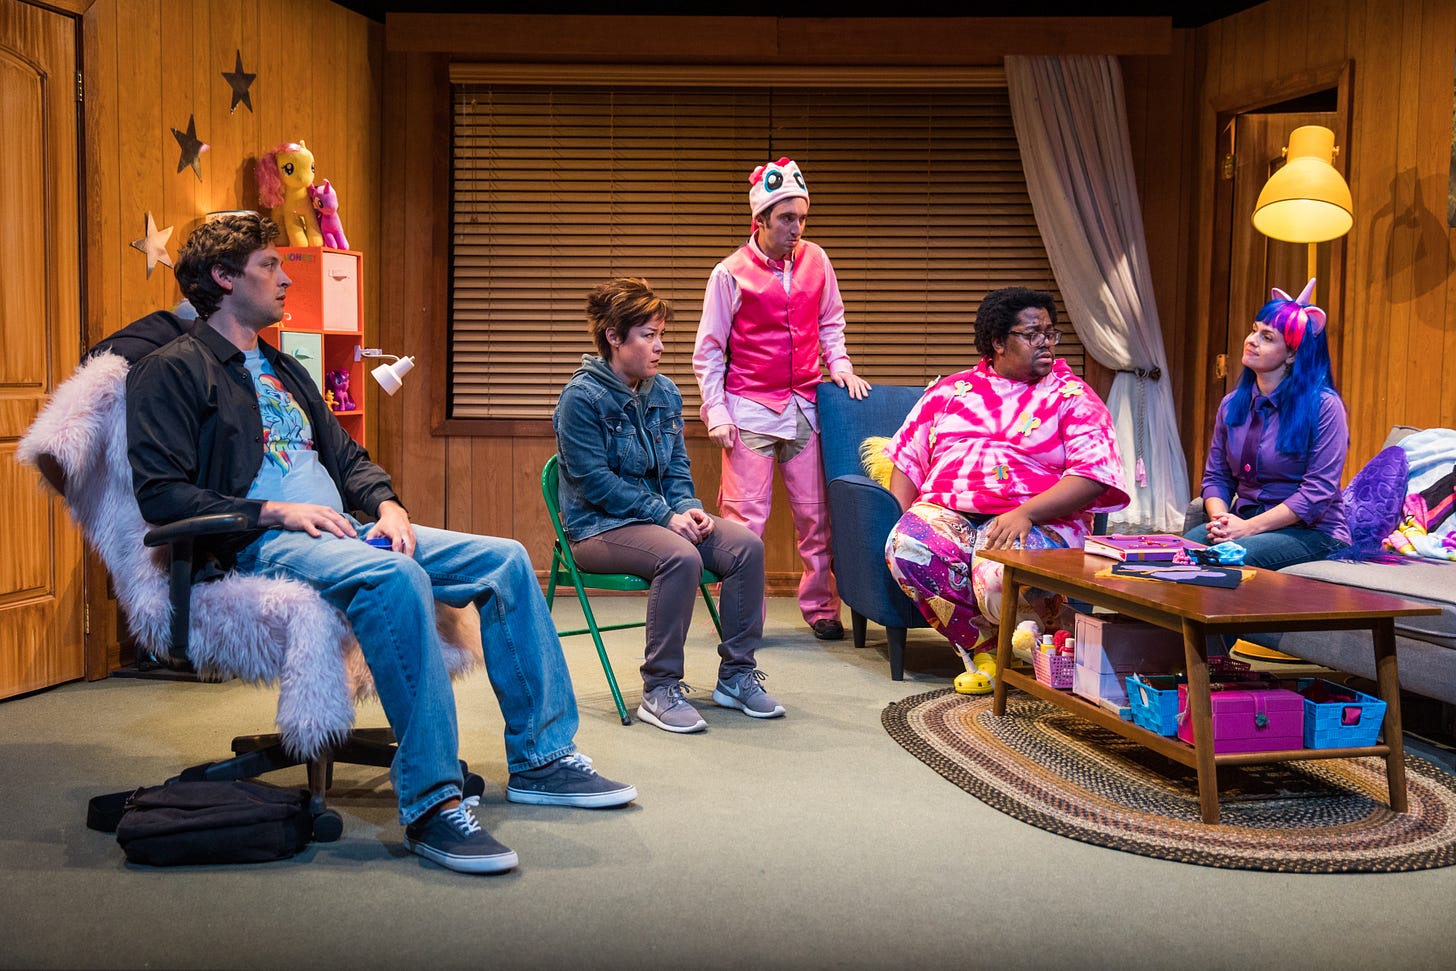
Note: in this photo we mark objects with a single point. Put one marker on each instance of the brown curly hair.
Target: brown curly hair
(226, 241)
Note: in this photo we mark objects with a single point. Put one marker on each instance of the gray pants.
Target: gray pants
(674, 566)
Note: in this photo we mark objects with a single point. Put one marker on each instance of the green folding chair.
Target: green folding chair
(564, 570)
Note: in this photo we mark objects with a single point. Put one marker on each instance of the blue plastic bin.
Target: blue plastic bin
(1336, 716)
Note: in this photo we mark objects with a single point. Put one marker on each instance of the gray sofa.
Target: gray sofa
(1425, 646)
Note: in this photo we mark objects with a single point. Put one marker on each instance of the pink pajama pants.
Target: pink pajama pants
(746, 497)
(932, 555)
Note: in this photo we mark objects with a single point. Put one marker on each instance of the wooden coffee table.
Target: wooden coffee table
(1268, 601)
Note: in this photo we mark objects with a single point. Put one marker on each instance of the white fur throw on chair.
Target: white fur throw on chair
(257, 629)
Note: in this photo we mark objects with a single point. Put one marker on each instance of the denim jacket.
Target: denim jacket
(623, 459)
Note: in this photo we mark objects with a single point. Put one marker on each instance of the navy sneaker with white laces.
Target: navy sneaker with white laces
(455, 840)
(568, 781)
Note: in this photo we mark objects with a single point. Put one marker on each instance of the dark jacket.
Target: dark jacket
(142, 336)
(623, 459)
(195, 438)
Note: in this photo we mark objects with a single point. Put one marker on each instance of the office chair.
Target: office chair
(258, 629)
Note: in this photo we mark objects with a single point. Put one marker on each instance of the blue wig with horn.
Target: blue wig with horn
(1297, 398)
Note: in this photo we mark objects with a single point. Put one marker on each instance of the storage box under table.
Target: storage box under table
(1336, 716)
(1248, 717)
(1154, 701)
(1109, 648)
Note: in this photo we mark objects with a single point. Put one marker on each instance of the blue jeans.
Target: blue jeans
(389, 600)
(1279, 548)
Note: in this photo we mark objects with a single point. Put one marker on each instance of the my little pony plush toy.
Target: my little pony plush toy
(338, 383)
(326, 201)
(284, 176)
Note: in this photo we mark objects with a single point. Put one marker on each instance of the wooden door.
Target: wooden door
(42, 601)
(1257, 262)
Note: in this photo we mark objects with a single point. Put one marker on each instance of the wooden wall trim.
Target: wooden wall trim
(73, 7)
(1332, 75)
(728, 75)
(861, 41)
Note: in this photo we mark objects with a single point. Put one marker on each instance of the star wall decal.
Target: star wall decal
(154, 244)
(239, 81)
(192, 147)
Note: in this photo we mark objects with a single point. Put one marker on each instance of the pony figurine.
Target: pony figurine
(284, 176)
(337, 382)
(326, 201)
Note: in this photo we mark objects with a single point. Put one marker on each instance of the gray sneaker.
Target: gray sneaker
(665, 707)
(744, 692)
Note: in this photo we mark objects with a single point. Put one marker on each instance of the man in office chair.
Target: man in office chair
(220, 422)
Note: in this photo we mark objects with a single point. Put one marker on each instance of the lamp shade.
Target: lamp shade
(1306, 201)
(390, 376)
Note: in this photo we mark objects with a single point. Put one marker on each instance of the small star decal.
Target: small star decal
(239, 81)
(154, 244)
(192, 147)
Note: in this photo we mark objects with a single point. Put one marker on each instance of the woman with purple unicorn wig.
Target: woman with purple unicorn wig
(1272, 481)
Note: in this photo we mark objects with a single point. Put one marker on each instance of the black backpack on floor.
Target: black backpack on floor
(183, 823)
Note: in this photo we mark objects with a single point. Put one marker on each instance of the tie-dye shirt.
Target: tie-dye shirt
(979, 443)
(291, 471)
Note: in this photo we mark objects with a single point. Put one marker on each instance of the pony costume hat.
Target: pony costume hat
(773, 183)
(1292, 317)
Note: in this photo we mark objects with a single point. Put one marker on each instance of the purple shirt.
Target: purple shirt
(1258, 473)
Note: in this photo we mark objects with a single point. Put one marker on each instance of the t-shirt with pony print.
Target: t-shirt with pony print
(291, 471)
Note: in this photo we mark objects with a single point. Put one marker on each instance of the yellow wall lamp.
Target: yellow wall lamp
(1307, 200)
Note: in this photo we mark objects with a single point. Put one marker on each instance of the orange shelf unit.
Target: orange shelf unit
(323, 321)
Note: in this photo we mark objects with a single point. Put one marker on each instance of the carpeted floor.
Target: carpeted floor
(1045, 766)
(811, 841)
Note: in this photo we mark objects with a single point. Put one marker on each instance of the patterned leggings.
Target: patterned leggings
(931, 553)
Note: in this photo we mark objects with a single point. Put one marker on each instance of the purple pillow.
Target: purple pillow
(1375, 497)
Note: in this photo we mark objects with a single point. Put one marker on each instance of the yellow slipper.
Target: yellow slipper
(981, 680)
(974, 683)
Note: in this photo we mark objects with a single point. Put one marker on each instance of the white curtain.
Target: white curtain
(1071, 126)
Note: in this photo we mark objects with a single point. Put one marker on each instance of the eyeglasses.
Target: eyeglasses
(1039, 338)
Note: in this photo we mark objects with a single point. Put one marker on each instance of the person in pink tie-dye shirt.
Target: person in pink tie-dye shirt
(1016, 452)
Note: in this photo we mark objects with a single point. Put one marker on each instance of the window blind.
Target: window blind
(917, 196)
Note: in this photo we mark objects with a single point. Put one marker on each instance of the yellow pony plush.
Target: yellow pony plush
(284, 176)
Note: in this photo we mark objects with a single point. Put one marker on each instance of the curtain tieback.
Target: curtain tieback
(1140, 421)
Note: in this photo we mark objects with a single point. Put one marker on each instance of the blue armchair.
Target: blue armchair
(863, 513)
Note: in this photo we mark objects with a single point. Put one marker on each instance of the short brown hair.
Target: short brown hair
(226, 241)
(619, 305)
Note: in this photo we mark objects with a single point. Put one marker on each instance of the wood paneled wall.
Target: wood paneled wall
(492, 484)
(1396, 345)
(149, 65)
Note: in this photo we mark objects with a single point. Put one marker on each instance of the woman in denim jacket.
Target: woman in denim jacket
(628, 506)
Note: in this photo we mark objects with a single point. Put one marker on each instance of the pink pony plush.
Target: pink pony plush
(338, 383)
(326, 202)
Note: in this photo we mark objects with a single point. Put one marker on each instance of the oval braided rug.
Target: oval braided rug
(1049, 768)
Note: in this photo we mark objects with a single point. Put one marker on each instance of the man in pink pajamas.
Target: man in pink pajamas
(772, 316)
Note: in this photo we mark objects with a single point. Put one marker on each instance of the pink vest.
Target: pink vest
(773, 346)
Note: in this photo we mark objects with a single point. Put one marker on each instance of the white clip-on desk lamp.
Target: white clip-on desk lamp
(389, 376)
